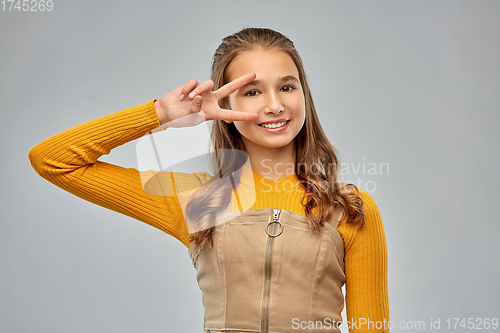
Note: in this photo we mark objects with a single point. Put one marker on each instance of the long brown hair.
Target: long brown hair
(312, 148)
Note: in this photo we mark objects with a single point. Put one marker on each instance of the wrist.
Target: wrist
(160, 113)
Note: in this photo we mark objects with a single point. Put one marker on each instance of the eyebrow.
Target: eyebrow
(282, 80)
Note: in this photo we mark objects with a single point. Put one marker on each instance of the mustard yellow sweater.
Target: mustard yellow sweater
(69, 160)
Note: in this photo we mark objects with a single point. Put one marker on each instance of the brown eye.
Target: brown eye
(252, 93)
(288, 88)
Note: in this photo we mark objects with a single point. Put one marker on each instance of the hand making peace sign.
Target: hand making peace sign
(194, 103)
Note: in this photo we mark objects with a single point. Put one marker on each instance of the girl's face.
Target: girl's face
(276, 95)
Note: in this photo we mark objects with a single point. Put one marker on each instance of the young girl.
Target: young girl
(272, 233)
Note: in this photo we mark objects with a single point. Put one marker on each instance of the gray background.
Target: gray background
(412, 84)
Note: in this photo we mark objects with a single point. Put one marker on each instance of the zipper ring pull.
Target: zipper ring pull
(273, 234)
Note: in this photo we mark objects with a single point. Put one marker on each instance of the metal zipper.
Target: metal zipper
(272, 235)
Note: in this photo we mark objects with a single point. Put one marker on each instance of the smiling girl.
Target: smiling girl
(274, 247)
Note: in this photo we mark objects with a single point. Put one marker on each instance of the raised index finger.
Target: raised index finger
(234, 85)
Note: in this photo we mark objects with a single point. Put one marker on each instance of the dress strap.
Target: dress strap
(337, 215)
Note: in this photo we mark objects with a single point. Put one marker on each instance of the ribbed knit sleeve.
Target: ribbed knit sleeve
(69, 160)
(367, 295)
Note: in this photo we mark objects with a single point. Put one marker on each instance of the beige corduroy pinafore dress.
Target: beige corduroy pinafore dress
(268, 272)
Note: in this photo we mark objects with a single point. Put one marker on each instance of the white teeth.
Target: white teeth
(274, 125)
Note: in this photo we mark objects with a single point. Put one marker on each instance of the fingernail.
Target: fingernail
(191, 95)
(181, 97)
(197, 102)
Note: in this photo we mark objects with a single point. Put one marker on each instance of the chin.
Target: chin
(276, 145)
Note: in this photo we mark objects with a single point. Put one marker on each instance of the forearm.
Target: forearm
(83, 144)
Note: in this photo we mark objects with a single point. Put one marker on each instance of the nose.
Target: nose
(273, 104)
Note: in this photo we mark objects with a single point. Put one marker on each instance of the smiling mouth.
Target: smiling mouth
(274, 125)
